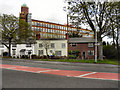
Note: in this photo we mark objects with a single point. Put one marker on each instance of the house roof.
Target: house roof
(81, 40)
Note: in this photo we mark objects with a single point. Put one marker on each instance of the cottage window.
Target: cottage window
(58, 53)
(63, 45)
(90, 44)
(52, 45)
(90, 53)
(14, 51)
(40, 52)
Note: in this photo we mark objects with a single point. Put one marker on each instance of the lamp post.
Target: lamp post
(68, 2)
(96, 35)
(67, 40)
(96, 45)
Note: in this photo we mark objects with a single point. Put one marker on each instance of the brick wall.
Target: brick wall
(83, 47)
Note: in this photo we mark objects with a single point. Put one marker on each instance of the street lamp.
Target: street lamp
(67, 40)
(67, 36)
(96, 45)
(96, 35)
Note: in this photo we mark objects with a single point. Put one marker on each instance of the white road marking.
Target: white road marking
(10, 67)
(46, 71)
(100, 78)
(86, 74)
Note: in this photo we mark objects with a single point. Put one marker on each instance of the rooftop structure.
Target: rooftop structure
(24, 5)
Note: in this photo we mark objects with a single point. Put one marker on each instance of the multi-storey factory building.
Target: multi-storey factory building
(43, 29)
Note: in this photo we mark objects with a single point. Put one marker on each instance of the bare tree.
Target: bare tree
(46, 44)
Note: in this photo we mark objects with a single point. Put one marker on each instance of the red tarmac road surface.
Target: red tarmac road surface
(68, 73)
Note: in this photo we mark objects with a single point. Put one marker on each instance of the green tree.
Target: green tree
(104, 43)
(13, 31)
(115, 26)
(110, 52)
(96, 15)
(25, 33)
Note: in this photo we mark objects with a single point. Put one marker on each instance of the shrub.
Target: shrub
(109, 52)
(5, 53)
(33, 56)
(24, 56)
(72, 56)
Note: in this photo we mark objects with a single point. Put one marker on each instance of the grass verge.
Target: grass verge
(106, 61)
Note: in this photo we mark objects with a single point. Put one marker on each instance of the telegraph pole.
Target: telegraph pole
(96, 2)
(67, 40)
(96, 45)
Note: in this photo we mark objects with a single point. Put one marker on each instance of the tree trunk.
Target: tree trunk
(113, 36)
(117, 44)
(100, 48)
(9, 48)
(47, 53)
(100, 51)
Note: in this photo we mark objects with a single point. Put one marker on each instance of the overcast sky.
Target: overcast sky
(45, 10)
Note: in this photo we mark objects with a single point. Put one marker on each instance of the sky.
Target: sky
(44, 10)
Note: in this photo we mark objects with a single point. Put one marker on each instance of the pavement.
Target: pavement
(63, 63)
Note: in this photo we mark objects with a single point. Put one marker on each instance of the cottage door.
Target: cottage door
(83, 55)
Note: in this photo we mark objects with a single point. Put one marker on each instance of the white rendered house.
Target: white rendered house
(17, 50)
(57, 47)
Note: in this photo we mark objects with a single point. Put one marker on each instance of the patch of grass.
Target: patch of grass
(105, 61)
(115, 62)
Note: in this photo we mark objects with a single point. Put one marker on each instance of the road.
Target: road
(36, 74)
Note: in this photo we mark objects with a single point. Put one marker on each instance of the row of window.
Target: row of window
(48, 30)
(57, 53)
(27, 45)
(49, 25)
(15, 45)
(56, 27)
(44, 35)
(52, 45)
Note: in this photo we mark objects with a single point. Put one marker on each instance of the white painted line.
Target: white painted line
(86, 74)
(10, 67)
(100, 78)
(46, 71)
